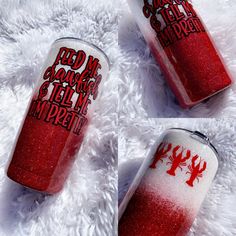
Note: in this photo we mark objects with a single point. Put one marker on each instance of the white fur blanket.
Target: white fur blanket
(217, 216)
(86, 206)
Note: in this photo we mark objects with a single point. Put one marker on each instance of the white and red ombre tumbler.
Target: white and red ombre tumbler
(183, 48)
(59, 112)
(170, 186)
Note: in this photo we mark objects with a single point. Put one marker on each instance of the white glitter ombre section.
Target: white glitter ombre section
(77, 45)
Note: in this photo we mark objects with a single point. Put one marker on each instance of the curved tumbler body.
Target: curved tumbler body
(183, 48)
(58, 115)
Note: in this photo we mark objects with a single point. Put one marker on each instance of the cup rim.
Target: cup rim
(89, 44)
(204, 139)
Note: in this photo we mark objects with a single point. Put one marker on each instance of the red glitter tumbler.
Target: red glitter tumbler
(184, 50)
(168, 190)
(58, 115)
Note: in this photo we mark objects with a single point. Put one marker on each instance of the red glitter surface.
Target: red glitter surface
(198, 67)
(150, 214)
(43, 155)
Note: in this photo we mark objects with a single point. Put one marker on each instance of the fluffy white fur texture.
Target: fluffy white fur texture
(143, 88)
(217, 216)
(86, 206)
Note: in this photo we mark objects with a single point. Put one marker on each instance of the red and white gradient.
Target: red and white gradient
(164, 204)
(192, 65)
(48, 143)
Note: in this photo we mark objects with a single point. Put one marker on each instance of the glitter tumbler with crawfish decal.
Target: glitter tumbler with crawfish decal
(167, 192)
(181, 45)
(58, 115)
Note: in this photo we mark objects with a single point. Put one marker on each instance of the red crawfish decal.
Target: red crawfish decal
(195, 170)
(161, 153)
(178, 160)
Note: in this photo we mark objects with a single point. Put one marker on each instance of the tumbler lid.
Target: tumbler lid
(200, 137)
